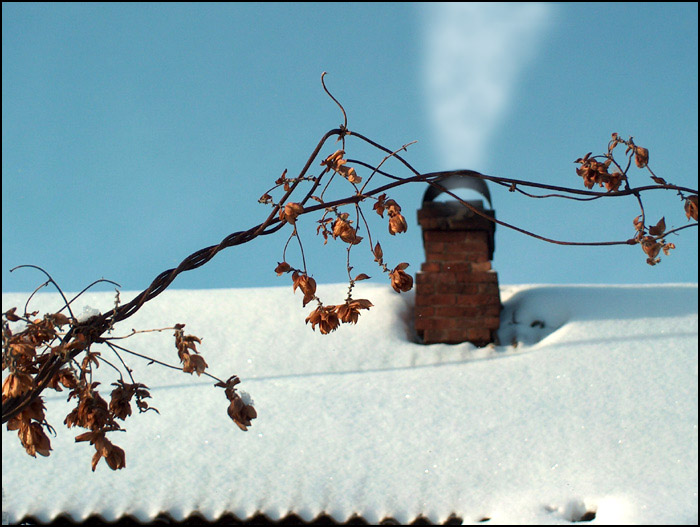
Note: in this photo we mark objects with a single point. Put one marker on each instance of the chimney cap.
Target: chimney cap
(457, 179)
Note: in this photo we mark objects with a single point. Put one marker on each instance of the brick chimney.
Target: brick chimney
(457, 296)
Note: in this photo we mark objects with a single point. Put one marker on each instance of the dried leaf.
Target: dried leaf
(691, 208)
(10, 315)
(282, 267)
(641, 156)
(282, 178)
(306, 284)
(659, 228)
(638, 224)
(379, 205)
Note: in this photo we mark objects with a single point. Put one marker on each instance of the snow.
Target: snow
(87, 313)
(588, 404)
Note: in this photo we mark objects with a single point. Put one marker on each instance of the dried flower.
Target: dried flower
(121, 396)
(349, 312)
(397, 224)
(92, 411)
(64, 377)
(240, 410)
(120, 405)
(336, 163)
(28, 423)
(241, 413)
(16, 383)
(650, 246)
(612, 184)
(193, 363)
(334, 160)
(185, 344)
(596, 173)
(114, 456)
(290, 212)
(34, 439)
(349, 174)
(401, 281)
(325, 317)
(343, 229)
(392, 207)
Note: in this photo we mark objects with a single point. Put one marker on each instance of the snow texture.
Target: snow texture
(586, 410)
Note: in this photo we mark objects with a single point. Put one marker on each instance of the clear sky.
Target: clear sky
(136, 134)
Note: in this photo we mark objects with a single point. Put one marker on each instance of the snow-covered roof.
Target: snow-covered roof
(588, 404)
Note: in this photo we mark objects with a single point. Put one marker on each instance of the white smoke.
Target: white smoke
(474, 55)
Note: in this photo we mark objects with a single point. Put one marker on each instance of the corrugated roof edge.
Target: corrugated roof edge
(291, 520)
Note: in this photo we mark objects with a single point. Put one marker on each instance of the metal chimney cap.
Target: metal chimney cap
(457, 179)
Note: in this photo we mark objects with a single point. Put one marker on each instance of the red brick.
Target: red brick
(447, 323)
(458, 288)
(425, 289)
(431, 267)
(438, 323)
(432, 336)
(465, 313)
(481, 236)
(488, 289)
(432, 256)
(449, 311)
(457, 256)
(481, 335)
(422, 323)
(444, 236)
(455, 336)
(475, 278)
(424, 311)
(474, 246)
(481, 267)
(493, 310)
(443, 300)
(423, 299)
(427, 278)
(434, 247)
(457, 267)
(492, 322)
(475, 300)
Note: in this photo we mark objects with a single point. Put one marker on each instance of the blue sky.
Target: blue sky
(136, 134)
